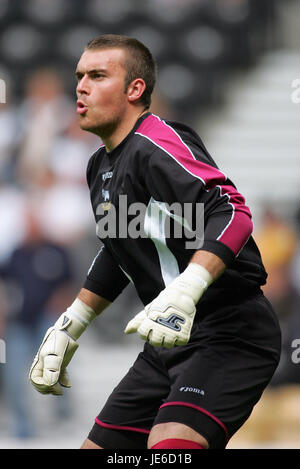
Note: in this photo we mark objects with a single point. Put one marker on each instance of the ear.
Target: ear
(135, 90)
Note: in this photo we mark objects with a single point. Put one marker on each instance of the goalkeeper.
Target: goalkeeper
(212, 340)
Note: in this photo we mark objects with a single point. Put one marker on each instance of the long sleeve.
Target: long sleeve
(105, 278)
(180, 171)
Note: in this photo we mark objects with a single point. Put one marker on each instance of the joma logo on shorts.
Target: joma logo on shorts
(196, 390)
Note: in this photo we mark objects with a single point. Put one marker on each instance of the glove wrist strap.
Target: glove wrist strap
(76, 319)
(194, 281)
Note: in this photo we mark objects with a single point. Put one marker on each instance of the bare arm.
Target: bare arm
(211, 262)
(96, 302)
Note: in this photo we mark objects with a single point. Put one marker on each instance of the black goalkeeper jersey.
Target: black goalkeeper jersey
(159, 164)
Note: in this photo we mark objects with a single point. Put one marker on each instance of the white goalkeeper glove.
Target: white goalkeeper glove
(168, 319)
(48, 371)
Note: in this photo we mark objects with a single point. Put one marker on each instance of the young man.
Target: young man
(212, 340)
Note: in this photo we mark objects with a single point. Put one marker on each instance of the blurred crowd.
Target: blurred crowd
(279, 243)
(46, 215)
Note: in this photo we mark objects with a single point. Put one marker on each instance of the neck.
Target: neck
(115, 137)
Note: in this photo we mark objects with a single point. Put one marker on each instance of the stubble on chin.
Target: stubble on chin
(103, 128)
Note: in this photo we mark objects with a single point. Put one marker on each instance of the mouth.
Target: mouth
(81, 107)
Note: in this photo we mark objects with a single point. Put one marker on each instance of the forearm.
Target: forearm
(96, 302)
(211, 262)
(81, 313)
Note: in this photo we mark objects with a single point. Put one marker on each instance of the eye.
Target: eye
(97, 75)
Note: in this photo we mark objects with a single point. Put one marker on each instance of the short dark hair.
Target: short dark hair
(139, 62)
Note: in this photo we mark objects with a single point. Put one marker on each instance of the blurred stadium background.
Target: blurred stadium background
(227, 68)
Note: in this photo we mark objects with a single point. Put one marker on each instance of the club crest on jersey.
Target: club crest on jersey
(106, 204)
(171, 322)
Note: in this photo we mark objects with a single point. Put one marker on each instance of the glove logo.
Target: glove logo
(172, 322)
(65, 320)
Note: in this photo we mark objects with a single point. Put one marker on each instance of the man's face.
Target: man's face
(102, 101)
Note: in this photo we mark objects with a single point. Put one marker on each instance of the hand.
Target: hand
(49, 369)
(167, 321)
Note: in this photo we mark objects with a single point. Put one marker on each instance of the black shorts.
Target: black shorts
(211, 384)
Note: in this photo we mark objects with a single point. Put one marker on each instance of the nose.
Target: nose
(82, 86)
